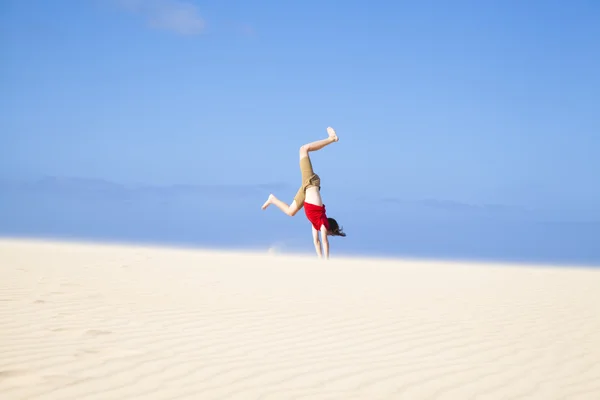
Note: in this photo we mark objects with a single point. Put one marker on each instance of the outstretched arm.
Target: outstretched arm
(317, 242)
(325, 241)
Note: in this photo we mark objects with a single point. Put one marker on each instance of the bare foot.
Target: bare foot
(268, 202)
(332, 134)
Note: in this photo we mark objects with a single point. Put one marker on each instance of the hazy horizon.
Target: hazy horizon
(229, 216)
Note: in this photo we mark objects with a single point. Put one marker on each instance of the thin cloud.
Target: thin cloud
(181, 17)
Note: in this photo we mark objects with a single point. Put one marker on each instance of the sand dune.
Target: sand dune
(82, 321)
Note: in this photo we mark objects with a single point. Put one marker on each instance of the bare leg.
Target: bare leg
(290, 210)
(319, 144)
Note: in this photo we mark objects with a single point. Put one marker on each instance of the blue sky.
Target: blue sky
(480, 102)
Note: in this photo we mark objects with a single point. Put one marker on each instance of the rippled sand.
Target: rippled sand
(84, 321)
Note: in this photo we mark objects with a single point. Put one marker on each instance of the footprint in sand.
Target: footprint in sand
(8, 373)
(18, 377)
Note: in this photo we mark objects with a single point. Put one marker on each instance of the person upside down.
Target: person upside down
(309, 197)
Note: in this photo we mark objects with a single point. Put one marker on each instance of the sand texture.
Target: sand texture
(86, 321)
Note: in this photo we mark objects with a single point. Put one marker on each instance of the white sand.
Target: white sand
(84, 321)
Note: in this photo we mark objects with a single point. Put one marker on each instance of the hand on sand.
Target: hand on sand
(332, 134)
(268, 202)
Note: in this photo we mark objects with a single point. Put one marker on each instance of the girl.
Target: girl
(309, 196)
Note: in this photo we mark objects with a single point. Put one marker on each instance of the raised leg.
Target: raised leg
(319, 144)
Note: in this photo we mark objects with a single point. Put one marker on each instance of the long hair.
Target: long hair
(334, 228)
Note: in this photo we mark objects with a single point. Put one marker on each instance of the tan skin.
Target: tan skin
(313, 195)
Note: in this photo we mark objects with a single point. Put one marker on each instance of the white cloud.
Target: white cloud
(178, 16)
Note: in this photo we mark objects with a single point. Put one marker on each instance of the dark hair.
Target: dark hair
(334, 228)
